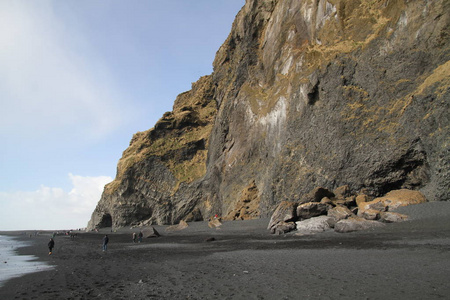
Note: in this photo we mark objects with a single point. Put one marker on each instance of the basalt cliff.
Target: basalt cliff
(304, 94)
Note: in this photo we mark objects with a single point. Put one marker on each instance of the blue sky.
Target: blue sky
(77, 80)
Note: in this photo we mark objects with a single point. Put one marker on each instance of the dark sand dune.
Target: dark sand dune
(409, 260)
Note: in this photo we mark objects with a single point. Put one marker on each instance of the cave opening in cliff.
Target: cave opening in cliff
(106, 221)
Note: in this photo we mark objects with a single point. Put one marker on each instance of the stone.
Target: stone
(339, 213)
(403, 197)
(312, 209)
(326, 200)
(392, 217)
(285, 212)
(376, 205)
(356, 224)
(214, 223)
(370, 214)
(392, 200)
(362, 198)
(342, 192)
(150, 233)
(282, 227)
(314, 225)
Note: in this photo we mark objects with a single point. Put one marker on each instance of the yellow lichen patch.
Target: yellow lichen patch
(189, 170)
(440, 77)
(356, 24)
(374, 116)
(262, 101)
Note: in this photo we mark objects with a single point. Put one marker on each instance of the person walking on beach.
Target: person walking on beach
(134, 237)
(105, 242)
(51, 245)
(140, 236)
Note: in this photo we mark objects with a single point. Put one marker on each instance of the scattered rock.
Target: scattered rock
(342, 192)
(283, 227)
(312, 209)
(285, 212)
(391, 200)
(355, 224)
(392, 217)
(403, 197)
(370, 214)
(314, 225)
(339, 213)
(214, 223)
(362, 198)
(326, 200)
(376, 204)
(150, 233)
(345, 216)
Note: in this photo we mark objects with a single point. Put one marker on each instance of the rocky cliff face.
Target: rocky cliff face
(303, 94)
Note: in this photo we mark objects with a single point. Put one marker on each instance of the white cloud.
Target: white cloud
(50, 76)
(52, 208)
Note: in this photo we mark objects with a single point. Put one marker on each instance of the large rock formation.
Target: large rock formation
(303, 94)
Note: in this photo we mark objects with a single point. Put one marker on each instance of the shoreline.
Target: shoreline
(14, 265)
(402, 260)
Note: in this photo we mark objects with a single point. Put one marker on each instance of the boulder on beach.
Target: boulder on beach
(150, 233)
(312, 209)
(392, 217)
(361, 198)
(214, 223)
(370, 214)
(403, 197)
(342, 192)
(355, 224)
(314, 225)
(282, 227)
(339, 213)
(393, 200)
(285, 212)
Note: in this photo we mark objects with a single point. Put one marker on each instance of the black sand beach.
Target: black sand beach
(409, 260)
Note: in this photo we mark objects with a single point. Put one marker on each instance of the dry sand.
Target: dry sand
(409, 260)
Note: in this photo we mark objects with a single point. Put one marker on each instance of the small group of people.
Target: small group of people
(139, 237)
(51, 244)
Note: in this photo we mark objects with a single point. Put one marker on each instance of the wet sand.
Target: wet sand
(409, 260)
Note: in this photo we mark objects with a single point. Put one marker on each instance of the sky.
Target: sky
(77, 79)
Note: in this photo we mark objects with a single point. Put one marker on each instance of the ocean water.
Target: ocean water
(13, 265)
